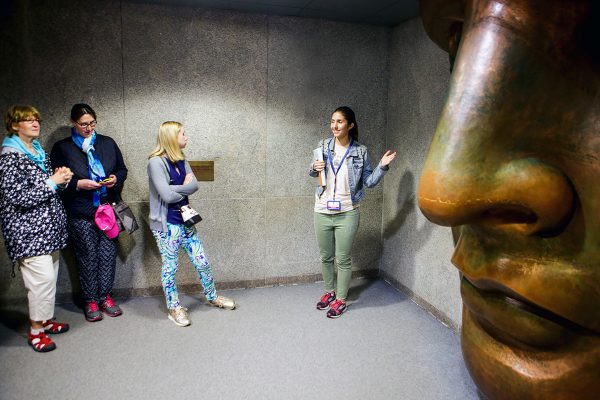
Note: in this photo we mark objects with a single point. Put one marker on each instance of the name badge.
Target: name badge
(334, 205)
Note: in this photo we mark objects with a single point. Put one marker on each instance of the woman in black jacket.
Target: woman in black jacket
(33, 219)
(99, 174)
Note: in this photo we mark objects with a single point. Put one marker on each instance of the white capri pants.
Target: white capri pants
(39, 276)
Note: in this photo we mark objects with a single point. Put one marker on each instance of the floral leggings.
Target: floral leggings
(168, 244)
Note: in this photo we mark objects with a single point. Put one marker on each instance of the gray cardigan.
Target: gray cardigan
(162, 194)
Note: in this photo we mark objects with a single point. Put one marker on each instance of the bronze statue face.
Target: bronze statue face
(514, 166)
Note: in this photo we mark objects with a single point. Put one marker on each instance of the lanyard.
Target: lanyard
(335, 172)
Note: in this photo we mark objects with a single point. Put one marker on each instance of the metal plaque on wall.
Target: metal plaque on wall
(204, 170)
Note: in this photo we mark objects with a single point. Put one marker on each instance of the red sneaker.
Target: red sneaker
(337, 309)
(110, 308)
(54, 327)
(40, 342)
(91, 311)
(325, 301)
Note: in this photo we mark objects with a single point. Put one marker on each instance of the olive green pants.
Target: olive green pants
(335, 235)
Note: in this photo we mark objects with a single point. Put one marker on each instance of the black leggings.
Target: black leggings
(96, 256)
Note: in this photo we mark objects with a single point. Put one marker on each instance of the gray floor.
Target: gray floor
(274, 346)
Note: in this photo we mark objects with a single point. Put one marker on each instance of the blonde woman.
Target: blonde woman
(171, 182)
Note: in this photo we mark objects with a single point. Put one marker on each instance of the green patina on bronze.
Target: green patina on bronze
(514, 168)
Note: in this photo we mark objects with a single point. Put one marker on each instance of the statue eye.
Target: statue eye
(454, 36)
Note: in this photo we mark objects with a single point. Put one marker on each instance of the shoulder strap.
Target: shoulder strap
(164, 159)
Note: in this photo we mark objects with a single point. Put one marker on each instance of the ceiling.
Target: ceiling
(376, 12)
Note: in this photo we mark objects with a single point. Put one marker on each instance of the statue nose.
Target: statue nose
(490, 162)
(523, 195)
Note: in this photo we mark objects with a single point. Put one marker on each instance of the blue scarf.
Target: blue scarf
(15, 142)
(95, 168)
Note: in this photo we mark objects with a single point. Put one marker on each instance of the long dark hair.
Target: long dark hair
(79, 110)
(351, 118)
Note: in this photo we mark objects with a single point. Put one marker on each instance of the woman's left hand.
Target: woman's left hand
(111, 182)
(188, 178)
(387, 158)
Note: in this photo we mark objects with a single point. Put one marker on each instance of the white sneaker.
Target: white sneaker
(179, 316)
(223, 302)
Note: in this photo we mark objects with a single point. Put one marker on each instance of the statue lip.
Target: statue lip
(519, 277)
(517, 321)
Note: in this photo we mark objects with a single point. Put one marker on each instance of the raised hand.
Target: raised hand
(387, 158)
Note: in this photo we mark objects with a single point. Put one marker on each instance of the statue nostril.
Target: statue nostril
(510, 214)
(511, 218)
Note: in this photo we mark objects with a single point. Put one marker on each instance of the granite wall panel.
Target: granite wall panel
(416, 253)
(314, 67)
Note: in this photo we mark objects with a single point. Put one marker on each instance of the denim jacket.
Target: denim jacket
(360, 172)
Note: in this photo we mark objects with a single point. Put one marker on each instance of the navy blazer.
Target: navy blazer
(79, 203)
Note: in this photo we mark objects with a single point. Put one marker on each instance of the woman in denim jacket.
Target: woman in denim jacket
(345, 170)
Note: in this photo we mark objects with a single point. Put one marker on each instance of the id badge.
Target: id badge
(334, 205)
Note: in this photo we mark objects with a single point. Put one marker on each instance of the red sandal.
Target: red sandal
(40, 342)
(54, 327)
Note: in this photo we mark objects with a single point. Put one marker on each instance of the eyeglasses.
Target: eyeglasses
(86, 124)
(31, 120)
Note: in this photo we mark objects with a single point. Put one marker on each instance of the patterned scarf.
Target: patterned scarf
(39, 159)
(95, 168)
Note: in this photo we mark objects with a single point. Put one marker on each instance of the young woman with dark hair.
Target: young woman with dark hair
(347, 168)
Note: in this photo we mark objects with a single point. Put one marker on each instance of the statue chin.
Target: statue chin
(510, 372)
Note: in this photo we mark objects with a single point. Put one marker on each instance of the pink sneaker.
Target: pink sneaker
(325, 301)
(338, 307)
(110, 308)
(92, 312)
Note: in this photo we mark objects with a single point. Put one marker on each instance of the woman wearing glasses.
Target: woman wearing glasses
(99, 174)
(33, 219)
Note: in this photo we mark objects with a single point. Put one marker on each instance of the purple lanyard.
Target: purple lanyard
(335, 172)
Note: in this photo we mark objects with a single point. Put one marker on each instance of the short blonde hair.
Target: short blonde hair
(167, 142)
(17, 114)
